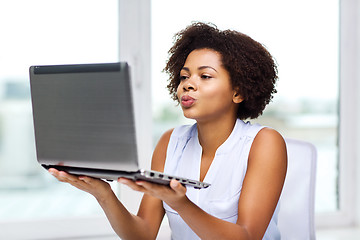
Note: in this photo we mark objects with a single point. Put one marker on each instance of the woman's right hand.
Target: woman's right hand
(96, 187)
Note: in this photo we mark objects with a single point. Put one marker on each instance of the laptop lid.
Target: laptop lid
(83, 116)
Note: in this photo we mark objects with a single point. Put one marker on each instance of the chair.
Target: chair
(297, 200)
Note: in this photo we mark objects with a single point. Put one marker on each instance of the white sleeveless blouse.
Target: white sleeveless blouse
(226, 175)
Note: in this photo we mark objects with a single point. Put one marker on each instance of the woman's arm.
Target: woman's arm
(263, 182)
(259, 196)
(125, 224)
(146, 223)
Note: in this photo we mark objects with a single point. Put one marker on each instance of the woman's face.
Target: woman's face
(205, 91)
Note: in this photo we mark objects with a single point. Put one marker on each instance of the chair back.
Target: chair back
(297, 200)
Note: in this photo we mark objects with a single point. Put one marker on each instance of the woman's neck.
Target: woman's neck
(214, 133)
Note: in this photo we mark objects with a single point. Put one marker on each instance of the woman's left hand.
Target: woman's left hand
(174, 195)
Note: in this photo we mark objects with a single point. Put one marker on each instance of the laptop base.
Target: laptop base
(111, 175)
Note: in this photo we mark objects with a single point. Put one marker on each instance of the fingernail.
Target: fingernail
(175, 183)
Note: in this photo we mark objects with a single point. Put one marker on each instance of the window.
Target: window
(307, 52)
(40, 33)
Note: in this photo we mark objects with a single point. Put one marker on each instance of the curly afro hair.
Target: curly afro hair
(252, 69)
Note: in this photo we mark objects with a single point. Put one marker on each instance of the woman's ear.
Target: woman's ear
(237, 98)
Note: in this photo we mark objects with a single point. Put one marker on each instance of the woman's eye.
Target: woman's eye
(205, 76)
(183, 78)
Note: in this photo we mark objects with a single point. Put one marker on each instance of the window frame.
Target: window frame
(348, 115)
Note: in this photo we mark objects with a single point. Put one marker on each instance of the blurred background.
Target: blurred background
(303, 36)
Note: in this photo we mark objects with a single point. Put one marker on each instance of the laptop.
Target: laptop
(84, 122)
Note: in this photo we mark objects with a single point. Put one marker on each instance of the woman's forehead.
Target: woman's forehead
(203, 57)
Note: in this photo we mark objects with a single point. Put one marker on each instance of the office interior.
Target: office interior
(316, 44)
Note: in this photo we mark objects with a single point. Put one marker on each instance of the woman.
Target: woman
(220, 78)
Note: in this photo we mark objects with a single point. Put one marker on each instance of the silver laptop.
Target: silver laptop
(84, 122)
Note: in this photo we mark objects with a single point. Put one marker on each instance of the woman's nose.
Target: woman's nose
(189, 85)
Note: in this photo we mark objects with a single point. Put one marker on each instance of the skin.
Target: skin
(212, 102)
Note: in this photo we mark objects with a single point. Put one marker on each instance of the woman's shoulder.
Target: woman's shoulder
(159, 154)
(250, 129)
(256, 130)
(266, 134)
(168, 137)
(269, 142)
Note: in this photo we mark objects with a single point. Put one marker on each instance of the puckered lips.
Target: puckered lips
(187, 101)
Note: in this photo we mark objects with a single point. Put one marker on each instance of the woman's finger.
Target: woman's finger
(155, 189)
(86, 179)
(57, 175)
(177, 187)
(95, 187)
(76, 181)
(132, 184)
(67, 176)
